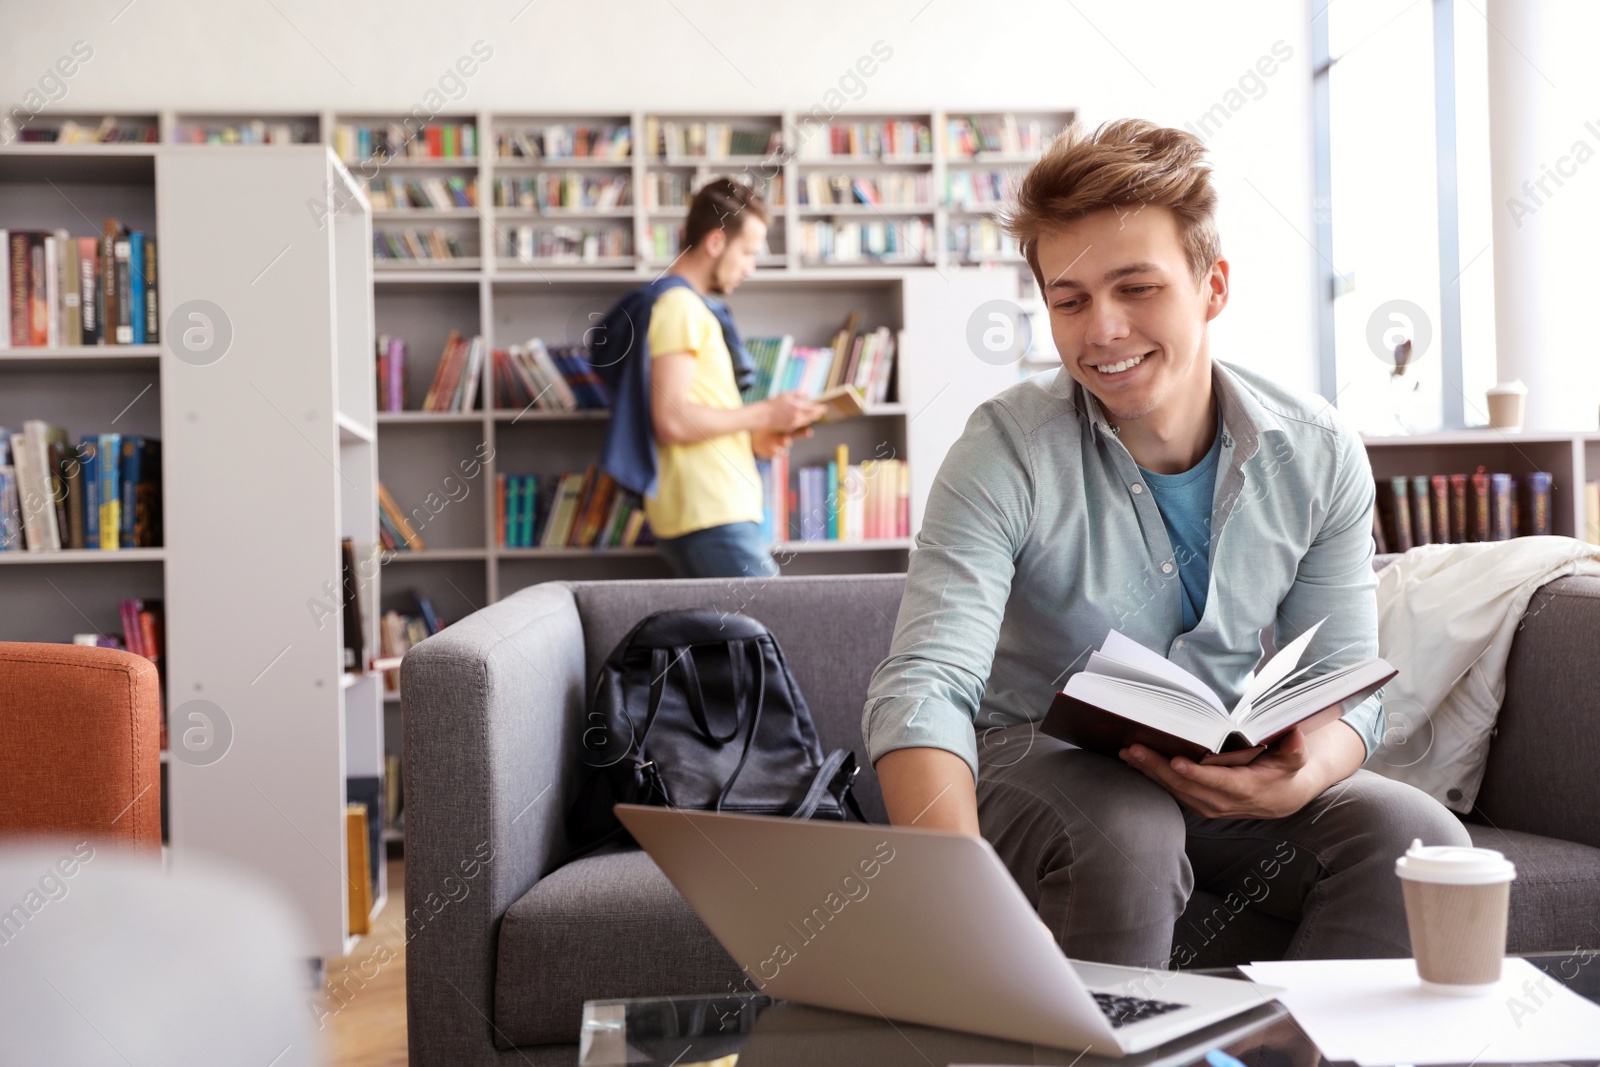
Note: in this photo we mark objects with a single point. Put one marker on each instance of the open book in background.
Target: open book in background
(1128, 694)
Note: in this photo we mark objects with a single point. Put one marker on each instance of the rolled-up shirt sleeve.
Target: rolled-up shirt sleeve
(1336, 580)
(926, 693)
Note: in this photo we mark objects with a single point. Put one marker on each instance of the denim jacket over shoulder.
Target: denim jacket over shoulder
(1039, 537)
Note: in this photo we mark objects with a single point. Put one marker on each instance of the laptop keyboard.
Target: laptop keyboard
(1124, 1010)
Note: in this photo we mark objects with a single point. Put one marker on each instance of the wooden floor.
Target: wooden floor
(365, 994)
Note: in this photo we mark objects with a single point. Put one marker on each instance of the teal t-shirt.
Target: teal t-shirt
(1185, 503)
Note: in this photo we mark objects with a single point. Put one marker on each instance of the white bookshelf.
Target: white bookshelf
(270, 458)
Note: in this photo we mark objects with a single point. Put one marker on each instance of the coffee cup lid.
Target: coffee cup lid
(1515, 387)
(1454, 865)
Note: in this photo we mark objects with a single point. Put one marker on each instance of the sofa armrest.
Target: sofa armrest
(490, 707)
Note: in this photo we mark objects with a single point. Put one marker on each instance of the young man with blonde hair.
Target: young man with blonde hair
(1189, 503)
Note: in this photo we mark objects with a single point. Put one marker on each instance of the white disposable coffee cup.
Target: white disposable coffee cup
(1457, 902)
(1506, 405)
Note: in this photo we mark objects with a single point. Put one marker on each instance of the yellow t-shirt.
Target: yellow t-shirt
(709, 483)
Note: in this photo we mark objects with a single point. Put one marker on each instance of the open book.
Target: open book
(1129, 694)
(842, 402)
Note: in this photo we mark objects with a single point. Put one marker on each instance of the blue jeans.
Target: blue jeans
(736, 550)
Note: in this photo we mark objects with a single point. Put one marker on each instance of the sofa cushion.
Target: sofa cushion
(606, 925)
(834, 631)
(1557, 891)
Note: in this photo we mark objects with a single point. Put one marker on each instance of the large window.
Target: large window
(1404, 130)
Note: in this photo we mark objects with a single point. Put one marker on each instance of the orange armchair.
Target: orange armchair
(80, 735)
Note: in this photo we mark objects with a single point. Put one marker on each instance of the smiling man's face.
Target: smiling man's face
(1128, 319)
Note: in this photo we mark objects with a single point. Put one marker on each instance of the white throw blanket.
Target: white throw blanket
(1446, 618)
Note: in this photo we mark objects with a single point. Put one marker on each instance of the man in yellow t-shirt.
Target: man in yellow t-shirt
(706, 511)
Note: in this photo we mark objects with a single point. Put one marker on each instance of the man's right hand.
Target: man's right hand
(790, 412)
(929, 788)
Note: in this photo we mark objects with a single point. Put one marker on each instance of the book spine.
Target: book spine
(1500, 493)
(1440, 486)
(152, 306)
(1421, 512)
(38, 292)
(18, 295)
(1538, 511)
(1481, 521)
(110, 491)
(52, 290)
(128, 478)
(88, 456)
(136, 288)
(71, 292)
(1400, 510)
(89, 289)
(1459, 514)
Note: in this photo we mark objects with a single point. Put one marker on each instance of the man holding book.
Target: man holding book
(706, 508)
(1189, 504)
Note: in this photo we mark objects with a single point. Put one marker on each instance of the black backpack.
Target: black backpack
(697, 709)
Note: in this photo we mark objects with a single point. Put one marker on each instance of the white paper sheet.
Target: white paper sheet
(1376, 1012)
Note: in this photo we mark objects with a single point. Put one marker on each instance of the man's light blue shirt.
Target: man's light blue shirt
(1041, 535)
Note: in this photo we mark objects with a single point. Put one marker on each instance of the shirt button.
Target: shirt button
(1177, 644)
(1137, 488)
(1166, 568)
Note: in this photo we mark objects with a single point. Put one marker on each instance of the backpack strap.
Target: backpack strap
(683, 658)
(734, 649)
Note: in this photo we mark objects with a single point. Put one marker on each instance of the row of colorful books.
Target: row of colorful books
(411, 244)
(529, 243)
(391, 192)
(889, 138)
(105, 493)
(973, 135)
(894, 189)
(109, 130)
(678, 139)
(836, 501)
(250, 131)
(1425, 509)
(573, 510)
(65, 290)
(840, 241)
(667, 188)
(975, 238)
(384, 141)
(547, 377)
(864, 360)
(985, 188)
(571, 191)
(455, 379)
(399, 631)
(558, 141)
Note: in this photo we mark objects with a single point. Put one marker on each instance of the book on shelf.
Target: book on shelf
(674, 189)
(864, 361)
(565, 242)
(393, 192)
(1424, 509)
(1128, 694)
(571, 191)
(572, 510)
(412, 245)
(455, 380)
(890, 190)
(395, 532)
(885, 139)
(558, 141)
(835, 501)
(62, 290)
(352, 616)
(850, 241)
(972, 136)
(547, 377)
(710, 140)
(399, 631)
(391, 360)
(978, 188)
(105, 493)
(246, 131)
(358, 882)
(393, 793)
(109, 130)
(384, 141)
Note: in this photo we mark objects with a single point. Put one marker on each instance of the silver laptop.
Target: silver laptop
(920, 926)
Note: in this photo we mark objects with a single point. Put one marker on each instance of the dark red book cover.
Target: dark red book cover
(1458, 509)
(1441, 509)
(1481, 526)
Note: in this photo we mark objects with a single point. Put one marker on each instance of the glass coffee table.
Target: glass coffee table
(751, 1030)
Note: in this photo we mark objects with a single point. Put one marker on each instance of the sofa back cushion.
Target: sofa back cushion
(1546, 748)
(834, 631)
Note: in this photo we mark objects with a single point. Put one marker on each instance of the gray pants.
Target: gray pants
(1109, 859)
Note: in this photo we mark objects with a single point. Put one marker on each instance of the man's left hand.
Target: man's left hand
(1279, 782)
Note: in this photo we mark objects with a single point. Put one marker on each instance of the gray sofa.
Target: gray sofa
(506, 942)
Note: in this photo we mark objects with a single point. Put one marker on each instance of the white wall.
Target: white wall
(1166, 60)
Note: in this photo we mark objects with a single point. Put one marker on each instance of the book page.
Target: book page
(1276, 670)
(1120, 646)
(1109, 667)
